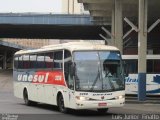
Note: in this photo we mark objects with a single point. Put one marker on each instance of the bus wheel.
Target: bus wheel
(61, 104)
(102, 110)
(26, 100)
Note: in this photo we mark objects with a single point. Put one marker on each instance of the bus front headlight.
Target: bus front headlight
(120, 97)
(82, 98)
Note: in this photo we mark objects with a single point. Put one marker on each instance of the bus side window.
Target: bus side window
(26, 62)
(16, 63)
(49, 60)
(67, 69)
(58, 56)
(33, 63)
(40, 60)
(20, 62)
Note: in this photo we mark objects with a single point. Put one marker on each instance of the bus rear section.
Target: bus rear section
(76, 77)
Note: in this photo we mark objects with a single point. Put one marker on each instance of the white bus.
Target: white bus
(70, 75)
(152, 75)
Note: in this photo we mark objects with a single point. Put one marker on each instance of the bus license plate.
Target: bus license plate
(102, 104)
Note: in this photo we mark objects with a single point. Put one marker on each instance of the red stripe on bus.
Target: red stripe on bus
(49, 77)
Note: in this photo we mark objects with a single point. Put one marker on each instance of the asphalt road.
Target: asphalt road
(12, 108)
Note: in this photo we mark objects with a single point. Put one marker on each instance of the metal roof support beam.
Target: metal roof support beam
(153, 25)
(128, 44)
(142, 49)
(133, 27)
(131, 24)
(106, 31)
(126, 41)
(107, 41)
(127, 33)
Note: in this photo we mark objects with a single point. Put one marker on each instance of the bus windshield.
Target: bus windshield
(98, 71)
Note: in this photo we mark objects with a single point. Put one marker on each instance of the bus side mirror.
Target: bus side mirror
(72, 69)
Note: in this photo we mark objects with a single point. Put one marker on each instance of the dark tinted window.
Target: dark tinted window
(16, 62)
(67, 69)
(58, 56)
(49, 60)
(40, 60)
(26, 62)
(20, 62)
(33, 61)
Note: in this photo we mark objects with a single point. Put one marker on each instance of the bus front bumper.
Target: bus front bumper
(99, 104)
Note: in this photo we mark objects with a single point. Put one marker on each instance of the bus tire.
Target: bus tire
(60, 103)
(26, 99)
(102, 110)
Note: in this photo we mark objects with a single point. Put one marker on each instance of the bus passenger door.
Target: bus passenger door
(70, 83)
(69, 78)
(71, 92)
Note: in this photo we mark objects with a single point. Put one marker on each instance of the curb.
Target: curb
(142, 102)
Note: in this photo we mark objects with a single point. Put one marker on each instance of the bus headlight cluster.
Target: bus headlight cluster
(82, 98)
(120, 97)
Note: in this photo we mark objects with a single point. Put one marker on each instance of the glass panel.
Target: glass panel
(67, 69)
(26, 62)
(33, 61)
(49, 60)
(20, 62)
(91, 67)
(40, 61)
(58, 59)
(16, 62)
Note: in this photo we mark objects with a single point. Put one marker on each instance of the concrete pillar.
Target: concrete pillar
(142, 50)
(113, 24)
(118, 25)
(5, 60)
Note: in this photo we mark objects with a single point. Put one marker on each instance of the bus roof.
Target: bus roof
(72, 46)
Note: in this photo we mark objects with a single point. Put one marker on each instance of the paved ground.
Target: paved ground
(6, 83)
(11, 105)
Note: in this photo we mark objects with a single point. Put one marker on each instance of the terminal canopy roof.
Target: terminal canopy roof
(101, 10)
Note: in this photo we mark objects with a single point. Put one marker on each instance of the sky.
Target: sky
(20, 6)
